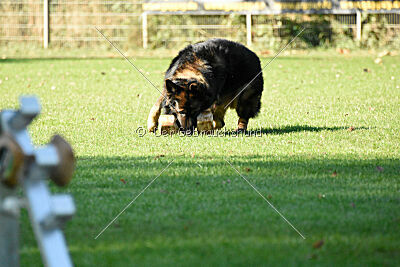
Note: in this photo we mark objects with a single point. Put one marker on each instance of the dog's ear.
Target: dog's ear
(200, 90)
(171, 87)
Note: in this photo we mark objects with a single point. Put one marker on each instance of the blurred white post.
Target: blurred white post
(358, 24)
(9, 227)
(45, 23)
(248, 28)
(144, 29)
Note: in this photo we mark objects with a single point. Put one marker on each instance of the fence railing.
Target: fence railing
(71, 23)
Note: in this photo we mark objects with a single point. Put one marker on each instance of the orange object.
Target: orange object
(167, 124)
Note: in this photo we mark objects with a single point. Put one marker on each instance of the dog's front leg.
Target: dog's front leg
(155, 111)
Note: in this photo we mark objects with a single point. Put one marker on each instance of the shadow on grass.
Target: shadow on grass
(201, 201)
(319, 194)
(299, 166)
(288, 129)
(307, 128)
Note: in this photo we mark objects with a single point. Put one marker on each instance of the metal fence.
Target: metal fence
(21, 21)
(72, 24)
(268, 31)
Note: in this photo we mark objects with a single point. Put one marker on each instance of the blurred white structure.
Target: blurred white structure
(23, 164)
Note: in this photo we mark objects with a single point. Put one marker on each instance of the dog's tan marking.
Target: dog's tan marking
(242, 124)
(155, 111)
(191, 70)
(182, 99)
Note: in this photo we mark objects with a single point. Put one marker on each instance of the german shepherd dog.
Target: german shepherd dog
(210, 75)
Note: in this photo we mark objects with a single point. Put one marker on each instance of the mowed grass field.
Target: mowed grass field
(328, 159)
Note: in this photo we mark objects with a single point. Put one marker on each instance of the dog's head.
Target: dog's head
(187, 98)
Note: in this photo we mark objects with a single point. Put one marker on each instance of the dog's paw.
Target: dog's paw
(152, 120)
(218, 124)
(152, 125)
(240, 130)
(242, 125)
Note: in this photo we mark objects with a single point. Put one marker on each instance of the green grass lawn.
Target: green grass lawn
(328, 160)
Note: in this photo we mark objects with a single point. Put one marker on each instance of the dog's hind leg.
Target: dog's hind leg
(154, 115)
(249, 104)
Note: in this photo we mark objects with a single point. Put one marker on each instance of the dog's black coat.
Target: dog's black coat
(211, 74)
